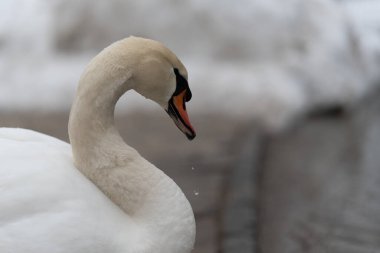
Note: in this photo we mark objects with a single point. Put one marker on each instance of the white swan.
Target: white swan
(106, 197)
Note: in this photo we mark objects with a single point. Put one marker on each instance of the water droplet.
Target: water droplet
(192, 168)
(196, 193)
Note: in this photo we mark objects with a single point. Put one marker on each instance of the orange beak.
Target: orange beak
(177, 111)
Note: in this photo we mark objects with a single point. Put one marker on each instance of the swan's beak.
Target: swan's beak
(177, 111)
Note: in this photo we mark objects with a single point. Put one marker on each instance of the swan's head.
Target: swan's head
(160, 76)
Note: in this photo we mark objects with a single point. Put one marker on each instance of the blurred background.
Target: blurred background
(285, 105)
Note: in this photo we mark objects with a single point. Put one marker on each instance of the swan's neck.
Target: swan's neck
(144, 192)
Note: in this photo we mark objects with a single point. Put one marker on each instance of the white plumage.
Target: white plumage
(105, 198)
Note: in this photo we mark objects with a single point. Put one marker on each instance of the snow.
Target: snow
(267, 60)
(366, 21)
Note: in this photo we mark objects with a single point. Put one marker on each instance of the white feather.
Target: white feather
(112, 199)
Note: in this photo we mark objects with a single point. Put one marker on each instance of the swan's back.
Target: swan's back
(44, 199)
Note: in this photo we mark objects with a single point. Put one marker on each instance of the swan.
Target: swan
(98, 194)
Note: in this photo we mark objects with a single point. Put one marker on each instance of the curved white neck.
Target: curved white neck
(144, 192)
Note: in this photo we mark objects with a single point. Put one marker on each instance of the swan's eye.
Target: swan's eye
(181, 85)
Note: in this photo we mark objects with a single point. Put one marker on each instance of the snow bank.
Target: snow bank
(268, 60)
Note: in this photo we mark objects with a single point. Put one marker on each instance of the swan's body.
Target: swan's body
(105, 197)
